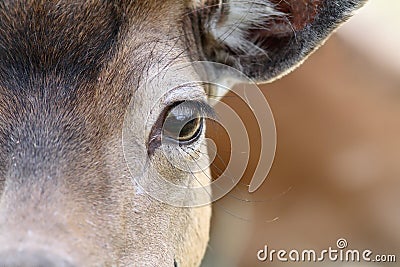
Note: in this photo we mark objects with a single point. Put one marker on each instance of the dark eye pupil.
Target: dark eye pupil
(182, 126)
(187, 130)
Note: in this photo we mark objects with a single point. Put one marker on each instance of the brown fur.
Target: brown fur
(68, 70)
(67, 73)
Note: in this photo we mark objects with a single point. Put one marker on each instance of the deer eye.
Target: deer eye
(184, 122)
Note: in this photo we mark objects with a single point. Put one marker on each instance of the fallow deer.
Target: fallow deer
(69, 71)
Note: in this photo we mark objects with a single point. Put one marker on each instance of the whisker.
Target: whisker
(247, 185)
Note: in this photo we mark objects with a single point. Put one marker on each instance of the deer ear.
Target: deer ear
(265, 39)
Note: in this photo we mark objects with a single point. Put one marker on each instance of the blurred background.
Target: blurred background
(336, 172)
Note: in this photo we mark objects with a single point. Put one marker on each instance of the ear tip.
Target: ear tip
(291, 51)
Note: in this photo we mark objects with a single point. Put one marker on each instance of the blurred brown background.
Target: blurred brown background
(336, 172)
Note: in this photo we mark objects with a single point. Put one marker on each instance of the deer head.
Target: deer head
(73, 76)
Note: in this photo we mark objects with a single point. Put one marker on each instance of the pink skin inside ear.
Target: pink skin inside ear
(300, 12)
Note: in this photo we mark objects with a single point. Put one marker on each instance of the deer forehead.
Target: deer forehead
(74, 41)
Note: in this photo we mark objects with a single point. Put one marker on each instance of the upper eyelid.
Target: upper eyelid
(192, 92)
(205, 109)
(186, 92)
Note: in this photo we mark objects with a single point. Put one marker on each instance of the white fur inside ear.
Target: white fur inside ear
(243, 15)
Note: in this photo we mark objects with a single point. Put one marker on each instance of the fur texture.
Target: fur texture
(68, 72)
(234, 21)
